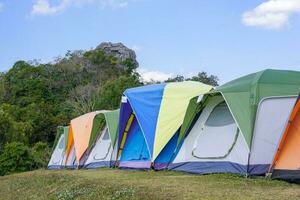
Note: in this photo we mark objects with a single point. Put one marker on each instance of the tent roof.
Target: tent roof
(175, 101)
(145, 102)
(160, 109)
(82, 129)
(244, 94)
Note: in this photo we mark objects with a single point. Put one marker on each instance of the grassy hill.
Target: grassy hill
(119, 184)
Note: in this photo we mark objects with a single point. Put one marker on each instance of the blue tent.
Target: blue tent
(150, 119)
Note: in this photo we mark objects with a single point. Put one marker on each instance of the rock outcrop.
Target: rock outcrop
(118, 50)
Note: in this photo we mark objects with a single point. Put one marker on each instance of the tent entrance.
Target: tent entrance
(271, 119)
(217, 136)
(58, 153)
(102, 146)
(135, 148)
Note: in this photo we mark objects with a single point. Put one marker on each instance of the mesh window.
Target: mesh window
(220, 116)
(106, 136)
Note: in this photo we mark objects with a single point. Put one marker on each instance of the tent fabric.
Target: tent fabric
(57, 157)
(59, 148)
(70, 161)
(70, 144)
(135, 152)
(212, 145)
(100, 152)
(100, 155)
(246, 98)
(271, 119)
(97, 127)
(84, 133)
(59, 132)
(145, 102)
(82, 130)
(286, 163)
(112, 121)
(159, 112)
(246, 92)
(175, 100)
(167, 155)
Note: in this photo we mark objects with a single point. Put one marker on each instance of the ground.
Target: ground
(120, 184)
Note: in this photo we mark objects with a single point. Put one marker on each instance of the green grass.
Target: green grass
(119, 184)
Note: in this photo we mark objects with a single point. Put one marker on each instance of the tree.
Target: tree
(111, 92)
(205, 78)
(178, 78)
(16, 157)
(202, 77)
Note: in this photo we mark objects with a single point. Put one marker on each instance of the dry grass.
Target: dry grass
(119, 184)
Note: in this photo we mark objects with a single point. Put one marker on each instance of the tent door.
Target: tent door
(218, 135)
(102, 146)
(58, 153)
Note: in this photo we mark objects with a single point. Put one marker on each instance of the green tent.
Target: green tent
(269, 92)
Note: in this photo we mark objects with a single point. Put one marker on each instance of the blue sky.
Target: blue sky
(228, 38)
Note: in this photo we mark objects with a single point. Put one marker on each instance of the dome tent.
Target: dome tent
(59, 150)
(150, 119)
(103, 152)
(237, 127)
(84, 133)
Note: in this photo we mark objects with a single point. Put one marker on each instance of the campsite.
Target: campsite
(145, 99)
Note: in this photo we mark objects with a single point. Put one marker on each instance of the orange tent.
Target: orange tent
(286, 164)
(79, 134)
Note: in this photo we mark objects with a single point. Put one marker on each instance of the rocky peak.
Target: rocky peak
(118, 50)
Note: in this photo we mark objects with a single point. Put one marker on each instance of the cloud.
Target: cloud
(272, 14)
(136, 48)
(153, 76)
(44, 7)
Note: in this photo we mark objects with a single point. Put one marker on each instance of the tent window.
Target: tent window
(218, 136)
(220, 116)
(106, 136)
(61, 144)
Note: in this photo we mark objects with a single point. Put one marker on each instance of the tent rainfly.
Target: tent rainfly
(236, 128)
(103, 152)
(84, 134)
(60, 146)
(286, 164)
(150, 119)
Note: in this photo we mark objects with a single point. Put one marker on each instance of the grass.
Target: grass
(120, 184)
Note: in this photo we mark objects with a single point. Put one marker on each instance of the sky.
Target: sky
(227, 38)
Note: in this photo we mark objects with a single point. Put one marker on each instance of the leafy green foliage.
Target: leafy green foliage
(36, 98)
(111, 92)
(16, 157)
(200, 77)
(41, 154)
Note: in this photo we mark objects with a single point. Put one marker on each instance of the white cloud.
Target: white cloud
(272, 14)
(1, 7)
(44, 7)
(136, 48)
(153, 76)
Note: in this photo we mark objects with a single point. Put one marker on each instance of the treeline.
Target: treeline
(35, 98)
